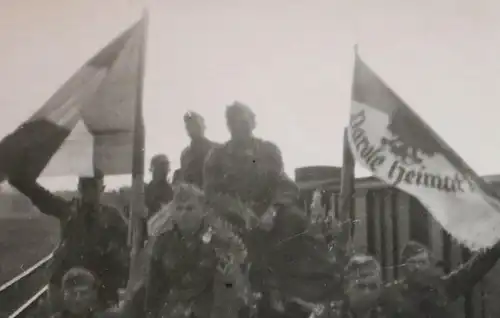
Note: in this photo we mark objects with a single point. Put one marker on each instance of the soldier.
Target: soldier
(194, 155)
(415, 258)
(363, 287)
(159, 191)
(93, 235)
(194, 265)
(78, 297)
(424, 292)
(246, 167)
(285, 262)
(251, 169)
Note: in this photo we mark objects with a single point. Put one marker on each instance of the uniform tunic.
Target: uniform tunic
(250, 172)
(429, 295)
(284, 258)
(95, 240)
(183, 275)
(193, 159)
(157, 194)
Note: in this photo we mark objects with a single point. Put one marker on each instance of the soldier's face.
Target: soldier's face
(195, 128)
(417, 263)
(188, 214)
(160, 170)
(80, 299)
(91, 192)
(240, 125)
(363, 288)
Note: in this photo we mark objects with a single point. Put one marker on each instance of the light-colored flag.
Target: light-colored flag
(89, 122)
(397, 146)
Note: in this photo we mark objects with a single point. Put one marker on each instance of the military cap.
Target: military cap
(411, 249)
(193, 116)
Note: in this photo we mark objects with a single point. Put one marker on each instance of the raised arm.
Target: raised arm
(467, 275)
(43, 199)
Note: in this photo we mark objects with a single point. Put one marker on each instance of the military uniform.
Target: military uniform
(192, 161)
(157, 194)
(284, 258)
(185, 275)
(253, 173)
(429, 295)
(96, 240)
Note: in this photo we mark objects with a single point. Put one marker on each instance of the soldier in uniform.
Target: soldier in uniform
(363, 287)
(251, 169)
(285, 262)
(159, 191)
(193, 265)
(93, 235)
(425, 292)
(193, 156)
(79, 296)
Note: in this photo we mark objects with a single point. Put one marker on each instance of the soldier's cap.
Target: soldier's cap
(361, 262)
(159, 159)
(411, 249)
(237, 109)
(97, 177)
(190, 116)
(78, 276)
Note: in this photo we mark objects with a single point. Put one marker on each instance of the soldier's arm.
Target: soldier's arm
(43, 199)
(274, 158)
(466, 276)
(287, 192)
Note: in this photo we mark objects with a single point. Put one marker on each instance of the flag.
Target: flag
(397, 146)
(89, 122)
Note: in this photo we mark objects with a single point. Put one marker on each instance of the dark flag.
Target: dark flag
(388, 138)
(89, 122)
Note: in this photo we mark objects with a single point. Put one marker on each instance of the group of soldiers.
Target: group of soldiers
(233, 240)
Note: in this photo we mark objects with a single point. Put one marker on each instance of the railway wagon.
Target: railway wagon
(386, 219)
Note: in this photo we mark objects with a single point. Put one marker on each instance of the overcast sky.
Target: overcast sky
(291, 60)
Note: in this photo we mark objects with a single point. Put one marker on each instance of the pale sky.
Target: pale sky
(290, 60)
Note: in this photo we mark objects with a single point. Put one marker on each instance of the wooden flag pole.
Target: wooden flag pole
(345, 211)
(137, 208)
(346, 196)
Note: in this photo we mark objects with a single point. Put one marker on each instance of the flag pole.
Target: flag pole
(347, 180)
(346, 196)
(347, 186)
(137, 198)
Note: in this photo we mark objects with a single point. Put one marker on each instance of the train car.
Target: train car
(386, 219)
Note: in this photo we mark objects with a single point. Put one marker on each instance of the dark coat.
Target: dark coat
(253, 173)
(157, 194)
(429, 295)
(95, 240)
(193, 159)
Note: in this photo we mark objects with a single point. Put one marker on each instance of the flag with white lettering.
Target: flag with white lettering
(89, 122)
(397, 146)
